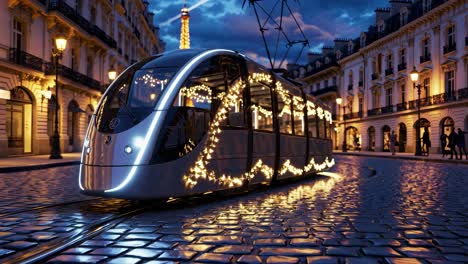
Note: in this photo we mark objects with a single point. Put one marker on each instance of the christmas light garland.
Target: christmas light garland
(200, 172)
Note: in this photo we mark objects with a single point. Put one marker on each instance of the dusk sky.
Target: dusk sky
(225, 24)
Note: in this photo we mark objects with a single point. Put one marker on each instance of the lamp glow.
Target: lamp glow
(339, 100)
(414, 75)
(60, 43)
(112, 74)
(128, 149)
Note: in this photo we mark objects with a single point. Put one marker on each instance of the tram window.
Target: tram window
(284, 116)
(312, 125)
(262, 112)
(321, 128)
(299, 122)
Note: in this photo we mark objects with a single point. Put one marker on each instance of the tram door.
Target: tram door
(264, 137)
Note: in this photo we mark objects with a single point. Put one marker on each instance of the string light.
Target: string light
(200, 172)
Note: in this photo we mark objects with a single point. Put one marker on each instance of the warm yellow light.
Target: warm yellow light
(339, 100)
(60, 43)
(112, 74)
(152, 96)
(47, 94)
(414, 75)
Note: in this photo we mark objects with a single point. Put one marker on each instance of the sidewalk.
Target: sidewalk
(408, 156)
(34, 162)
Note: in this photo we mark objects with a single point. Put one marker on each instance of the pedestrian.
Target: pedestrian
(426, 141)
(443, 143)
(452, 143)
(461, 143)
(392, 142)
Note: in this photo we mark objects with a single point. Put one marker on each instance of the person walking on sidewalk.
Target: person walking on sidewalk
(426, 141)
(392, 142)
(461, 143)
(452, 144)
(443, 143)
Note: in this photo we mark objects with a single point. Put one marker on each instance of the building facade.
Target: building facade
(373, 76)
(101, 35)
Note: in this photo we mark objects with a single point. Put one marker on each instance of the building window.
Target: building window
(18, 36)
(389, 96)
(389, 61)
(427, 5)
(317, 86)
(403, 56)
(404, 16)
(426, 47)
(451, 36)
(92, 14)
(326, 83)
(450, 83)
(375, 100)
(334, 80)
(89, 67)
(426, 87)
(403, 93)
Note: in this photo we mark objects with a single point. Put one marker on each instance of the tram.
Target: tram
(194, 121)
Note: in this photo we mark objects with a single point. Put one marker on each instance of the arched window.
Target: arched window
(18, 120)
(447, 125)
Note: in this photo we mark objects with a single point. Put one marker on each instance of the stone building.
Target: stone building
(102, 36)
(373, 76)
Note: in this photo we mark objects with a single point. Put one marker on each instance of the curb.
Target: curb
(458, 162)
(38, 167)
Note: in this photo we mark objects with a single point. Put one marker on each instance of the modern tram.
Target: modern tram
(195, 121)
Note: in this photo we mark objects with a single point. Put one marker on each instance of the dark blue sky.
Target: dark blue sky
(225, 24)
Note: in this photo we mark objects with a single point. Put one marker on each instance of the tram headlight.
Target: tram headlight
(128, 149)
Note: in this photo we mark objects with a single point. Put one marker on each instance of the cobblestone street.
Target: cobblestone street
(408, 212)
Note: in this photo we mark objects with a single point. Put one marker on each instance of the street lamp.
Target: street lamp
(112, 74)
(338, 102)
(60, 45)
(414, 78)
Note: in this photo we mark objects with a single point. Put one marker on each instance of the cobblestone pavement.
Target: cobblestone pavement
(409, 212)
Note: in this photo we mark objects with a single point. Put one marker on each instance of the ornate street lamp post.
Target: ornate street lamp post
(60, 45)
(338, 102)
(414, 78)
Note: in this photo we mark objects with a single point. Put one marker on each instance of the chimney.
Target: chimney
(381, 14)
(327, 50)
(312, 56)
(397, 5)
(341, 43)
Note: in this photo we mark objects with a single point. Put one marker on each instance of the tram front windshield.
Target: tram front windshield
(133, 96)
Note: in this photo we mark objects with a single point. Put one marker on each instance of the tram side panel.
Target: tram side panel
(264, 150)
(292, 148)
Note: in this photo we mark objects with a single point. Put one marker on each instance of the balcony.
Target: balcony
(444, 98)
(450, 47)
(375, 76)
(463, 94)
(353, 115)
(329, 89)
(425, 58)
(387, 109)
(402, 66)
(374, 112)
(350, 87)
(25, 59)
(72, 75)
(402, 107)
(388, 71)
(69, 12)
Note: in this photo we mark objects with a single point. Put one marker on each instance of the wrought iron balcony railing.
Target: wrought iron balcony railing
(424, 58)
(69, 12)
(402, 107)
(325, 90)
(388, 71)
(402, 66)
(387, 109)
(25, 59)
(451, 47)
(72, 75)
(374, 112)
(375, 76)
